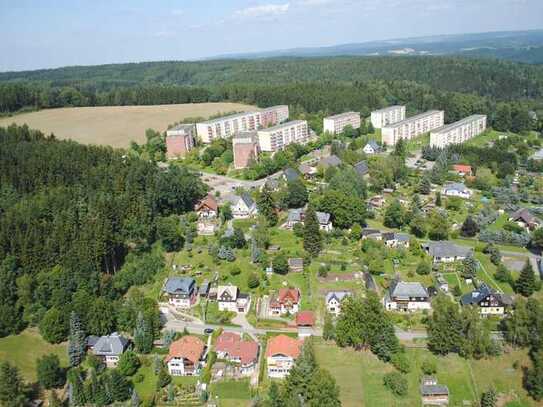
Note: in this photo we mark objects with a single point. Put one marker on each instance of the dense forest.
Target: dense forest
(460, 86)
(69, 215)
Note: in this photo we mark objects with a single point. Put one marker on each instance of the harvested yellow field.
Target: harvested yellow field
(115, 126)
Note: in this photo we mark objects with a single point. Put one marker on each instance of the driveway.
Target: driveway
(226, 185)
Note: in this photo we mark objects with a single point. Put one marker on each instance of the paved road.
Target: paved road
(226, 185)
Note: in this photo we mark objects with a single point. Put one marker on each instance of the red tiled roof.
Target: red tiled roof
(188, 347)
(283, 345)
(231, 343)
(208, 202)
(305, 318)
(285, 296)
(466, 169)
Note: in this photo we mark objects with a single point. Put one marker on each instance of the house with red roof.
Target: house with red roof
(207, 208)
(186, 356)
(462, 169)
(286, 301)
(281, 353)
(231, 347)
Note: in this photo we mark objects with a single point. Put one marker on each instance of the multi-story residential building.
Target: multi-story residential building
(227, 126)
(277, 137)
(273, 115)
(458, 132)
(179, 140)
(181, 291)
(286, 301)
(334, 300)
(245, 148)
(232, 347)
(388, 115)
(337, 123)
(488, 300)
(187, 356)
(412, 127)
(230, 299)
(281, 353)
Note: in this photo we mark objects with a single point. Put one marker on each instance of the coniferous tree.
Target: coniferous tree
(469, 227)
(438, 198)
(49, 372)
(425, 186)
(533, 377)
(328, 330)
(469, 267)
(312, 234)
(12, 388)
(266, 206)
(525, 284)
(120, 388)
(394, 215)
(76, 344)
(274, 395)
(299, 378)
(143, 337)
(444, 326)
(323, 390)
(77, 394)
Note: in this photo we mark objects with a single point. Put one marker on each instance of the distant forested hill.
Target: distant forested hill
(460, 86)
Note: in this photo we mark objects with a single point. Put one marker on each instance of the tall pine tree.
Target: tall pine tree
(76, 344)
(266, 206)
(143, 337)
(312, 234)
(525, 284)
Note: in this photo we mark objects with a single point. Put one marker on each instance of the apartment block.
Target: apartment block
(227, 126)
(179, 140)
(412, 127)
(278, 137)
(274, 115)
(388, 115)
(337, 123)
(458, 132)
(245, 147)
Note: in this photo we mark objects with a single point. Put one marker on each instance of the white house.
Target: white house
(334, 300)
(243, 206)
(230, 299)
(325, 223)
(456, 189)
(281, 353)
(372, 147)
(181, 291)
(407, 297)
(487, 300)
(186, 356)
(446, 252)
(108, 348)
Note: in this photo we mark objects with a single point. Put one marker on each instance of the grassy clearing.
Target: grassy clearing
(22, 350)
(233, 390)
(115, 126)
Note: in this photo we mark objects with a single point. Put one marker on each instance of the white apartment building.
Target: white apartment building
(337, 123)
(388, 115)
(412, 127)
(227, 126)
(458, 132)
(278, 137)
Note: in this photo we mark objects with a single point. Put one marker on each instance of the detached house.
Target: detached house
(281, 353)
(456, 189)
(446, 252)
(243, 206)
(230, 299)
(231, 347)
(186, 356)
(295, 265)
(286, 301)
(407, 297)
(181, 291)
(524, 218)
(108, 348)
(488, 300)
(325, 224)
(297, 216)
(207, 208)
(395, 240)
(362, 168)
(372, 147)
(334, 300)
(462, 169)
(432, 393)
(331, 161)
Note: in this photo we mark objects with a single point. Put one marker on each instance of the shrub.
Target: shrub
(401, 362)
(235, 270)
(253, 281)
(424, 268)
(428, 366)
(128, 363)
(396, 383)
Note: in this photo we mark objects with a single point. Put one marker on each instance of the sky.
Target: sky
(47, 34)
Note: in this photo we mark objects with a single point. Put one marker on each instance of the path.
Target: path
(226, 185)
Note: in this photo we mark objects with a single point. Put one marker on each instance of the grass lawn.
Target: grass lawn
(233, 390)
(360, 376)
(22, 350)
(146, 388)
(483, 139)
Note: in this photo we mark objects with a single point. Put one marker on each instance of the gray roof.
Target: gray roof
(412, 119)
(446, 249)
(272, 183)
(323, 217)
(182, 126)
(283, 125)
(386, 109)
(457, 186)
(179, 285)
(295, 215)
(407, 289)
(361, 168)
(204, 287)
(331, 161)
(369, 232)
(291, 174)
(525, 215)
(538, 155)
(478, 295)
(306, 169)
(113, 344)
(296, 262)
(433, 390)
(245, 197)
(338, 295)
(370, 281)
(400, 237)
(452, 126)
(340, 115)
(373, 144)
